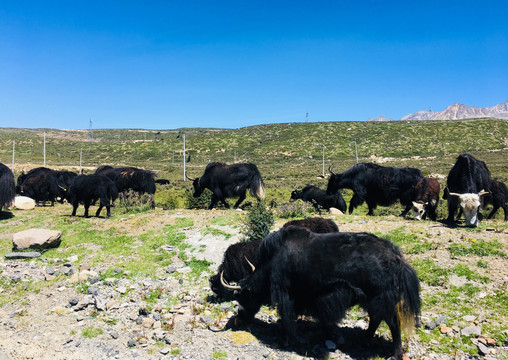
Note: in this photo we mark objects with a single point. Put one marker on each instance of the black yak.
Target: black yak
(227, 181)
(334, 272)
(498, 197)
(319, 198)
(426, 199)
(129, 178)
(376, 185)
(235, 264)
(90, 188)
(468, 180)
(7, 187)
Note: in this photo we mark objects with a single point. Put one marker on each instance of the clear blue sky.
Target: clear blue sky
(229, 64)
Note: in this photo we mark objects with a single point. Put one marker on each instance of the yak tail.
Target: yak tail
(408, 308)
(7, 188)
(257, 187)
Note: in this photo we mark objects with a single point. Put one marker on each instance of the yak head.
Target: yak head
(295, 195)
(470, 204)
(420, 208)
(198, 190)
(333, 182)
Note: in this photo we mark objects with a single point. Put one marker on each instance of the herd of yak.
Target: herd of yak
(307, 267)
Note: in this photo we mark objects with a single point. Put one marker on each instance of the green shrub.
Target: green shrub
(295, 209)
(201, 202)
(258, 222)
(131, 201)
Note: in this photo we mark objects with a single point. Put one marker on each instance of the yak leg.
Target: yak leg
(493, 212)
(374, 322)
(287, 313)
(394, 326)
(74, 207)
(452, 207)
(356, 200)
(240, 199)
(215, 199)
(406, 210)
(87, 205)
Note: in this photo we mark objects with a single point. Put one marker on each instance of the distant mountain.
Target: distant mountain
(461, 111)
(380, 118)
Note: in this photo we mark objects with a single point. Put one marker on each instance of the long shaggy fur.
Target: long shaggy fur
(319, 198)
(498, 197)
(87, 189)
(323, 275)
(7, 187)
(129, 178)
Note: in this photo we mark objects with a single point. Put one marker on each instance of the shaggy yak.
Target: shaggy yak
(7, 187)
(235, 264)
(323, 275)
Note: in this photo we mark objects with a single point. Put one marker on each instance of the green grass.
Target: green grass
(91, 332)
(478, 248)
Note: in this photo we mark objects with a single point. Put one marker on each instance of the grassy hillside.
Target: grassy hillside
(288, 155)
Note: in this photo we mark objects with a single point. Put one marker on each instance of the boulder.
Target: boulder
(335, 211)
(36, 239)
(23, 203)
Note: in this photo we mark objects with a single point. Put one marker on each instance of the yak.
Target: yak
(319, 198)
(7, 187)
(323, 275)
(426, 199)
(129, 178)
(376, 185)
(238, 257)
(43, 184)
(90, 188)
(498, 197)
(227, 181)
(468, 180)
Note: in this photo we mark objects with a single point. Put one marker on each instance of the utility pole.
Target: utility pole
(90, 132)
(44, 149)
(356, 150)
(184, 170)
(323, 160)
(13, 150)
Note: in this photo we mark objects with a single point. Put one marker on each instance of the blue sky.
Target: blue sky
(230, 64)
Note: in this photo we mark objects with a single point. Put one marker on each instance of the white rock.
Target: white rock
(23, 203)
(36, 238)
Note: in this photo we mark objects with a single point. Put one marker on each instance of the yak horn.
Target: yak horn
(227, 286)
(251, 265)
(187, 176)
(331, 171)
(483, 192)
(454, 194)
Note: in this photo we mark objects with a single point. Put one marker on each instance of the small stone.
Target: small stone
(484, 350)
(171, 269)
(159, 335)
(430, 325)
(121, 289)
(167, 340)
(73, 301)
(440, 320)
(469, 318)
(139, 320)
(445, 329)
(132, 343)
(114, 334)
(74, 279)
(164, 351)
(92, 290)
(50, 270)
(184, 270)
(23, 255)
(144, 312)
(73, 258)
(491, 342)
(471, 330)
(147, 323)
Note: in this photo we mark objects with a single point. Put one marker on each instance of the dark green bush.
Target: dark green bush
(201, 202)
(258, 222)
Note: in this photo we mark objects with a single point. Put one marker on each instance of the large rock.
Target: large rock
(36, 239)
(23, 203)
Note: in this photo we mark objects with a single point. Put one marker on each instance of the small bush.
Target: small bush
(295, 209)
(201, 202)
(258, 222)
(131, 201)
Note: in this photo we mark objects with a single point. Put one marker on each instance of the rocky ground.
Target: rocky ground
(85, 315)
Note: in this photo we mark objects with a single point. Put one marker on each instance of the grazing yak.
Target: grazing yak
(129, 178)
(7, 187)
(235, 264)
(319, 198)
(227, 181)
(376, 185)
(335, 271)
(87, 189)
(43, 184)
(426, 199)
(468, 180)
(498, 197)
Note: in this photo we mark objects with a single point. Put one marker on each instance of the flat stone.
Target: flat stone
(484, 350)
(36, 239)
(469, 318)
(23, 255)
(471, 330)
